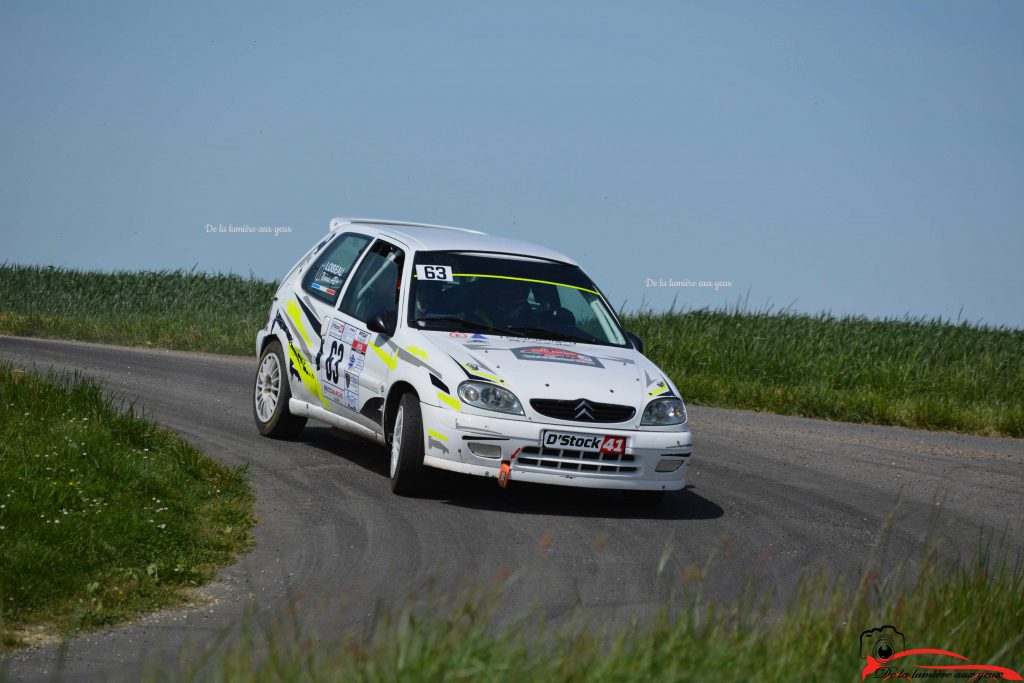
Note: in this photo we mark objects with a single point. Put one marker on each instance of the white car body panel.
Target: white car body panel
(344, 375)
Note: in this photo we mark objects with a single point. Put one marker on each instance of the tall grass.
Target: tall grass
(177, 309)
(975, 610)
(922, 373)
(103, 515)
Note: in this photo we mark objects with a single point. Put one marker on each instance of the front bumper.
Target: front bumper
(447, 435)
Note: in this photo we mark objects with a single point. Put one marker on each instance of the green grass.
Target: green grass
(168, 309)
(929, 374)
(975, 610)
(102, 515)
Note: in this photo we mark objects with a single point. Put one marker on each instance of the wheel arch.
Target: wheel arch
(395, 393)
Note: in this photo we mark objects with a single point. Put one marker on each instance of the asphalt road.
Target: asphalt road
(769, 497)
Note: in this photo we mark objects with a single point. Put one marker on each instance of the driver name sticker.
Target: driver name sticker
(551, 355)
(435, 273)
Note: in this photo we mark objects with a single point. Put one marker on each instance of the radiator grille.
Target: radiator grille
(582, 410)
(577, 461)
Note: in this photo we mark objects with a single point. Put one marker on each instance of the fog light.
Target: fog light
(485, 450)
(668, 465)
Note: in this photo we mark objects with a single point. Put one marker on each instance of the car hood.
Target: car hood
(534, 368)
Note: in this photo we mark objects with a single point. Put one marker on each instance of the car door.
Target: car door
(316, 296)
(358, 361)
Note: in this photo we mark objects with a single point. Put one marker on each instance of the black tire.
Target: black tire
(406, 459)
(646, 500)
(281, 424)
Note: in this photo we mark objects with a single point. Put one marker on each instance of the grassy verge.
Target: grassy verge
(102, 515)
(914, 373)
(975, 611)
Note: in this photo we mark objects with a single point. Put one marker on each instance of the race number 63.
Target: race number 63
(436, 273)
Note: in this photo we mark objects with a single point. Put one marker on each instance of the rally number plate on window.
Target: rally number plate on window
(597, 443)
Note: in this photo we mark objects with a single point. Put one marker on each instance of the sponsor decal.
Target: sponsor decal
(457, 335)
(356, 362)
(348, 335)
(352, 397)
(324, 289)
(548, 354)
(886, 656)
(337, 328)
(598, 443)
(334, 394)
(358, 346)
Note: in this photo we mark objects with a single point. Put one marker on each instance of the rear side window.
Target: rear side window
(326, 276)
(374, 287)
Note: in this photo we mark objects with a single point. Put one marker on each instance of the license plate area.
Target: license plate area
(585, 443)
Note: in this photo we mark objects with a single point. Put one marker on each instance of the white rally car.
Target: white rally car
(467, 352)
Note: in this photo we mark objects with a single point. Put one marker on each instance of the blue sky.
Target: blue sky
(862, 157)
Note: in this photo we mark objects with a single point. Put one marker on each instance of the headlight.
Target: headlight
(490, 397)
(664, 411)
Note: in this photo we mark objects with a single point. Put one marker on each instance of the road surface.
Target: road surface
(769, 496)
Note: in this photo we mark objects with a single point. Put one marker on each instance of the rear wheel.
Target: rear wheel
(407, 470)
(270, 396)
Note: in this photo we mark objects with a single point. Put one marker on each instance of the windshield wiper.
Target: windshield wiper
(470, 324)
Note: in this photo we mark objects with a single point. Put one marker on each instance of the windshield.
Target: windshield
(509, 295)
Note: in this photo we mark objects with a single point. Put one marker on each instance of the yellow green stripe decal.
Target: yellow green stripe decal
(295, 313)
(660, 390)
(417, 351)
(390, 359)
(451, 401)
(306, 373)
(436, 435)
(481, 373)
(525, 279)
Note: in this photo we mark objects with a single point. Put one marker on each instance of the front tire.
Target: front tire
(406, 468)
(271, 393)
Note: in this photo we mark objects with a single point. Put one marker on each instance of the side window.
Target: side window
(326, 276)
(374, 287)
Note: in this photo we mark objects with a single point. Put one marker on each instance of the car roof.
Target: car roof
(429, 237)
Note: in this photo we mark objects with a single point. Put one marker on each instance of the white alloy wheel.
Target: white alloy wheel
(268, 387)
(396, 440)
(271, 394)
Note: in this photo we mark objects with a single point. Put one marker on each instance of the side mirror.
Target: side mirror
(636, 341)
(382, 323)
